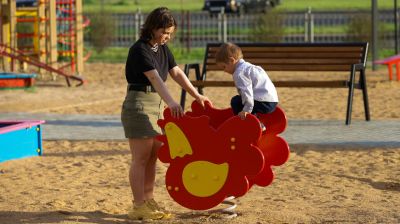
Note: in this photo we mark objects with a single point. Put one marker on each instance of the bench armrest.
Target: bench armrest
(196, 67)
(359, 66)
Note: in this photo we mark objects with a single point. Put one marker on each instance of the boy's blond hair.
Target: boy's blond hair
(226, 51)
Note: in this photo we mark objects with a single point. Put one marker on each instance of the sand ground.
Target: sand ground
(86, 181)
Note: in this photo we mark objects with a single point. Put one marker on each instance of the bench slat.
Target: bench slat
(249, 55)
(297, 49)
(290, 67)
(314, 84)
(306, 61)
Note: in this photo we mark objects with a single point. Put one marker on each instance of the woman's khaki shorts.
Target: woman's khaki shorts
(140, 112)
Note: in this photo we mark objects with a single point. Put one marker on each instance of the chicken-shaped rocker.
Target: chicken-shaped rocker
(214, 154)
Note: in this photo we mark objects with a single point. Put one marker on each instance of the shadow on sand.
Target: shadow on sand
(12, 217)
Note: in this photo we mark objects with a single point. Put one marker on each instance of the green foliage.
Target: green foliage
(328, 5)
(122, 2)
(102, 29)
(183, 55)
(269, 27)
(89, 2)
(359, 28)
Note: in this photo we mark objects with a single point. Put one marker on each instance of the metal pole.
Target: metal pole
(188, 30)
(182, 31)
(220, 26)
(396, 33)
(309, 26)
(306, 27)
(137, 24)
(225, 28)
(375, 15)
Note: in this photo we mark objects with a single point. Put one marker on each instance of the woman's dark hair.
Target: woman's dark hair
(159, 18)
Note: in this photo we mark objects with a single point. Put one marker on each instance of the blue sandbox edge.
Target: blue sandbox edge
(8, 75)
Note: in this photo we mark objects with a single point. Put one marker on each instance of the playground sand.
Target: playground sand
(86, 181)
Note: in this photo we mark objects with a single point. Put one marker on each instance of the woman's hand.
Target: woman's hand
(176, 109)
(179, 76)
(202, 99)
(243, 114)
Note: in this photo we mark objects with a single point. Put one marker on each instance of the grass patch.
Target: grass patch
(295, 5)
(119, 54)
(130, 6)
(109, 55)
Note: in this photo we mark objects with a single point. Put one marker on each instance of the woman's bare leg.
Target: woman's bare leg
(151, 171)
(141, 151)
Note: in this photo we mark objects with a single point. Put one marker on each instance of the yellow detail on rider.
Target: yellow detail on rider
(210, 177)
(179, 145)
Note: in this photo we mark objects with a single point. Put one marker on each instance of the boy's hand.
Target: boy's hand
(243, 114)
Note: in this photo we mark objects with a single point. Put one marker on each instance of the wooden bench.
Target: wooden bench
(390, 61)
(304, 57)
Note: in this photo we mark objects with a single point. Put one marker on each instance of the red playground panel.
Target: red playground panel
(390, 61)
(214, 154)
(16, 80)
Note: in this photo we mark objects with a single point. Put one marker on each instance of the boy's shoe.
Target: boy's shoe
(262, 126)
(144, 212)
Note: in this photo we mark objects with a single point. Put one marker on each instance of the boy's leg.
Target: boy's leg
(236, 104)
(264, 107)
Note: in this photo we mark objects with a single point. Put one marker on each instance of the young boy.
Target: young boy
(257, 93)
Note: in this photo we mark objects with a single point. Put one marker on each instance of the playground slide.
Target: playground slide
(18, 55)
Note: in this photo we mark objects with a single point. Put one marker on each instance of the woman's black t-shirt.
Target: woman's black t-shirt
(142, 59)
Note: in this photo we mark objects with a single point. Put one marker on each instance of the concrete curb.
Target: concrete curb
(380, 133)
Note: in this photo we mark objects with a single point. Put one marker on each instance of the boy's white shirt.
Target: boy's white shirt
(253, 83)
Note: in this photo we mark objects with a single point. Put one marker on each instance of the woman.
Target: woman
(148, 64)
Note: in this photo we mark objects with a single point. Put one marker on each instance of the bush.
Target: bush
(269, 27)
(102, 29)
(360, 28)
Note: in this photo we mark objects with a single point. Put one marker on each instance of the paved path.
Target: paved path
(321, 132)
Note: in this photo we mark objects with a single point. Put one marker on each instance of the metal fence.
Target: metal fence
(197, 29)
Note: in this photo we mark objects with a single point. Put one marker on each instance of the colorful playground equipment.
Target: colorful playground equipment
(390, 61)
(16, 80)
(47, 34)
(20, 139)
(214, 155)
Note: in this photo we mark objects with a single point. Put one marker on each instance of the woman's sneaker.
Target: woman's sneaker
(144, 211)
(156, 207)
